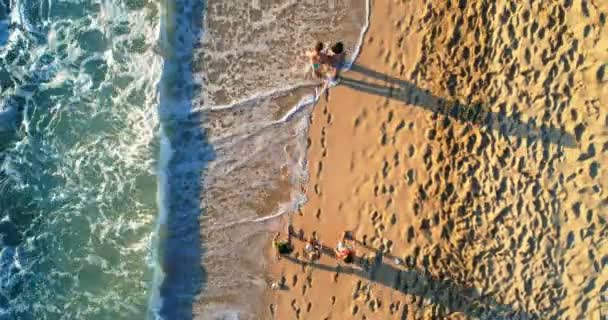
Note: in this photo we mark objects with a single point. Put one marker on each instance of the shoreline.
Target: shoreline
(430, 193)
(260, 136)
(176, 255)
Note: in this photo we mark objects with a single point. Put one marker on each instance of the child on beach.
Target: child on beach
(317, 59)
(345, 250)
(313, 250)
(327, 66)
(283, 247)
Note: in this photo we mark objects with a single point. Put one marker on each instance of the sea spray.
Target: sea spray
(155, 303)
(77, 97)
(184, 153)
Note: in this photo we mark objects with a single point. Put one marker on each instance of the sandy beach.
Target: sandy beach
(466, 150)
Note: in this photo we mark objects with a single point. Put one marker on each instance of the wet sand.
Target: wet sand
(249, 68)
(467, 151)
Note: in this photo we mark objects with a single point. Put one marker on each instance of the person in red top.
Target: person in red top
(345, 250)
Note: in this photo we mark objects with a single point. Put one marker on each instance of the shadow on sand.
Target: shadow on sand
(476, 114)
(446, 293)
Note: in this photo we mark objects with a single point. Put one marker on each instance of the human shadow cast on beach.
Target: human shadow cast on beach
(446, 293)
(475, 114)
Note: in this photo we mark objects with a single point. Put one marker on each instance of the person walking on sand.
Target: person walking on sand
(336, 60)
(345, 250)
(283, 247)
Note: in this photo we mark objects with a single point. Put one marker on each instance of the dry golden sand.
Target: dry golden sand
(471, 142)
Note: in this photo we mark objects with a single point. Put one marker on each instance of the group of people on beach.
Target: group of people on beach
(344, 250)
(327, 62)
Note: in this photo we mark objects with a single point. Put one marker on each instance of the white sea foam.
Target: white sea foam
(77, 168)
(258, 135)
(304, 102)
(155, 303)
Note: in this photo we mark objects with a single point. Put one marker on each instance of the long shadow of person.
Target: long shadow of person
(477, 114)
(444, 292)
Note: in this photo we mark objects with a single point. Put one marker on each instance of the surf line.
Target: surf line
(165, 155)
(308, 100)
(168, 21)
(305, 102)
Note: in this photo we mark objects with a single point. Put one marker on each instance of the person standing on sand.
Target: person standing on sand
(317, 59)
(283, 247)
(313, 250)
(337, 59)
(345, 250)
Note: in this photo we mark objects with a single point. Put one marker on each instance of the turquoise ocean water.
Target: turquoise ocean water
(79, 158)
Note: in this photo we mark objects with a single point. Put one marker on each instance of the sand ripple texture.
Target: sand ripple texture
(470, 141)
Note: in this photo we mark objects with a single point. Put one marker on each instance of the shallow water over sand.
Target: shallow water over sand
(255, 107)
